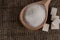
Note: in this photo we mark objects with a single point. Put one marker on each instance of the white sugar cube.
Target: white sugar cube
(55, 24)
(45, 27)
(54, 17)
(54, 11)
(56, 21)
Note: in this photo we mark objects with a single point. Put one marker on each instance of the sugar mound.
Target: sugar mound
(35, 15)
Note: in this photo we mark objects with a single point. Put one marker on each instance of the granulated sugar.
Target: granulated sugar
(35, 15)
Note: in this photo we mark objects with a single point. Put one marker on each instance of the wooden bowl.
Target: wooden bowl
(45, 3)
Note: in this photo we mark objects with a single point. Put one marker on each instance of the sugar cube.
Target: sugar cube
(45, 27)
(56, 21)
(54, 11)
(55, 24)
(54, 17)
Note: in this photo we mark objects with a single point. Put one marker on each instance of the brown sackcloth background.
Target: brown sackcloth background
(12, 29)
